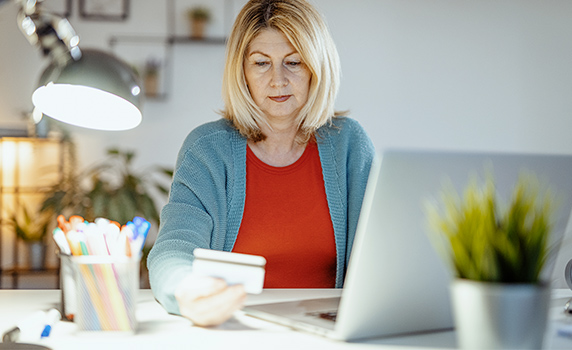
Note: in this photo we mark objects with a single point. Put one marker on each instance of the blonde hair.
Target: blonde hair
(308, 33)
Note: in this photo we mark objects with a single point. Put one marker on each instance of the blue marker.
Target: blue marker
(32, 327)
(52, 317)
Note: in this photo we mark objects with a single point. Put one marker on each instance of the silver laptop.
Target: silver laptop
(396, 283)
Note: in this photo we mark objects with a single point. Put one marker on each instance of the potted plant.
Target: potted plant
(32, 230)
(499, 298)
(198, 18)
(151, 77)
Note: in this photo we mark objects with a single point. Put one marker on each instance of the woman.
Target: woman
(280, 175)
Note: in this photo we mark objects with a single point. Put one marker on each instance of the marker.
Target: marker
(63, 223)
(140, 228)
(61, 241)
(29, 328)
(75, 220)
(52, 317)
(74, 238)
(123, 241)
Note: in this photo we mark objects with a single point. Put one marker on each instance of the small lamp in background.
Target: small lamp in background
(87, 88)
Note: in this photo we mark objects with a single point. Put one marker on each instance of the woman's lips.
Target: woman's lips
(282, 98)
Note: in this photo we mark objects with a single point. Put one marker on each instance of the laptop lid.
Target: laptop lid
(396, 283)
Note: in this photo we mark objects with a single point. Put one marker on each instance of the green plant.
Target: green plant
(29, 228)
(111, 189)
(152, 67)
(200, 13)
(483, 242)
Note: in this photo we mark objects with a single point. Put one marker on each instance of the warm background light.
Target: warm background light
(28, 166)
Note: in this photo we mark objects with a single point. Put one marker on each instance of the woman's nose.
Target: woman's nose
(278, 77)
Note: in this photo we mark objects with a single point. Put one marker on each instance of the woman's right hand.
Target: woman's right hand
(208, 301)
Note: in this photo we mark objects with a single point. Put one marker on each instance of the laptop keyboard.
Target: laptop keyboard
(328, 315)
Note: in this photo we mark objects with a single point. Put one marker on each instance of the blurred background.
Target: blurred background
(444, 74)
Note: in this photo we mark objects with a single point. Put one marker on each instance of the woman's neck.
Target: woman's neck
(280, 148)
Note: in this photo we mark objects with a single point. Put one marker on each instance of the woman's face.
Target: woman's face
(277, 78)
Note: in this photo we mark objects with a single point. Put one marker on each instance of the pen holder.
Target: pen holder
(67, 287)
(106, 289)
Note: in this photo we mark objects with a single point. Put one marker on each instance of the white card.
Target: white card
(234, 268)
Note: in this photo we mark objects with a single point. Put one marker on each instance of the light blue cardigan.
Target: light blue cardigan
(207, 196)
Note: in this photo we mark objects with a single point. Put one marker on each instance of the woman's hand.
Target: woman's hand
(208, 301)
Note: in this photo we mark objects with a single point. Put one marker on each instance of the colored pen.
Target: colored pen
(60, 239)
(52, 316)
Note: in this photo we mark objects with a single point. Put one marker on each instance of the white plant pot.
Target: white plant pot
(499, 316)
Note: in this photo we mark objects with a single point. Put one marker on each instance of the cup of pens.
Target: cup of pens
(106, 288)
(105, 259)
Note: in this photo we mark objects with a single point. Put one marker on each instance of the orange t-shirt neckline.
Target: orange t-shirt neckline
(287, 220)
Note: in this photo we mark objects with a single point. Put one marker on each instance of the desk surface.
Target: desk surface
(159, 330)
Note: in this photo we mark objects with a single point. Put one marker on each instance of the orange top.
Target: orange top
(286, 219)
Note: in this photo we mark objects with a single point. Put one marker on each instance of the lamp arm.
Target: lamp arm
(53, 34)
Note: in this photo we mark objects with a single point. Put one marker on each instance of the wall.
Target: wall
(448, 74)
(441, 74)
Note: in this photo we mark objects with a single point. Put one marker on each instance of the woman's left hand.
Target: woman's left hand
(208, 301)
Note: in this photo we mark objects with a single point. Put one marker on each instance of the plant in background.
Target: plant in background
(151, 77)
(483, 242)
(28, 226)
(111, 189)
(198, 18)
(152, 67)
(199, 13)
(32, 228)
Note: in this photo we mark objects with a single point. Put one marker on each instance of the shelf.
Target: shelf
(154, 51)
(160, 48)
(157, 97)
(143, 39)
(190, 40)
(29, 271)
(16, 273)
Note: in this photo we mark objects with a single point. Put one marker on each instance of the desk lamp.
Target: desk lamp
(87, 88)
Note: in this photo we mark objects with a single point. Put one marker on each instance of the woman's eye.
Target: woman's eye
(293, 63)
(260, 63)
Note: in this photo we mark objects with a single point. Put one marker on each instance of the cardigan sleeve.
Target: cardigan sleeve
(196, 213)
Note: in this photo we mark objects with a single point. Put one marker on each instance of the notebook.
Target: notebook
(396, 283)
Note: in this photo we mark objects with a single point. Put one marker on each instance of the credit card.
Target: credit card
(234, 268)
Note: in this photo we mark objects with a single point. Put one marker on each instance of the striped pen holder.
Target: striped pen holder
(106, 288)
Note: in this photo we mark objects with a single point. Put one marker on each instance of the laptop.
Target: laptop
(396, 283)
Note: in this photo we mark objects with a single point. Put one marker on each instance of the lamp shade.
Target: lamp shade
(97, 91)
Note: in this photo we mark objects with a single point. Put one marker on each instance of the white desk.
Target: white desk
(159, 330)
